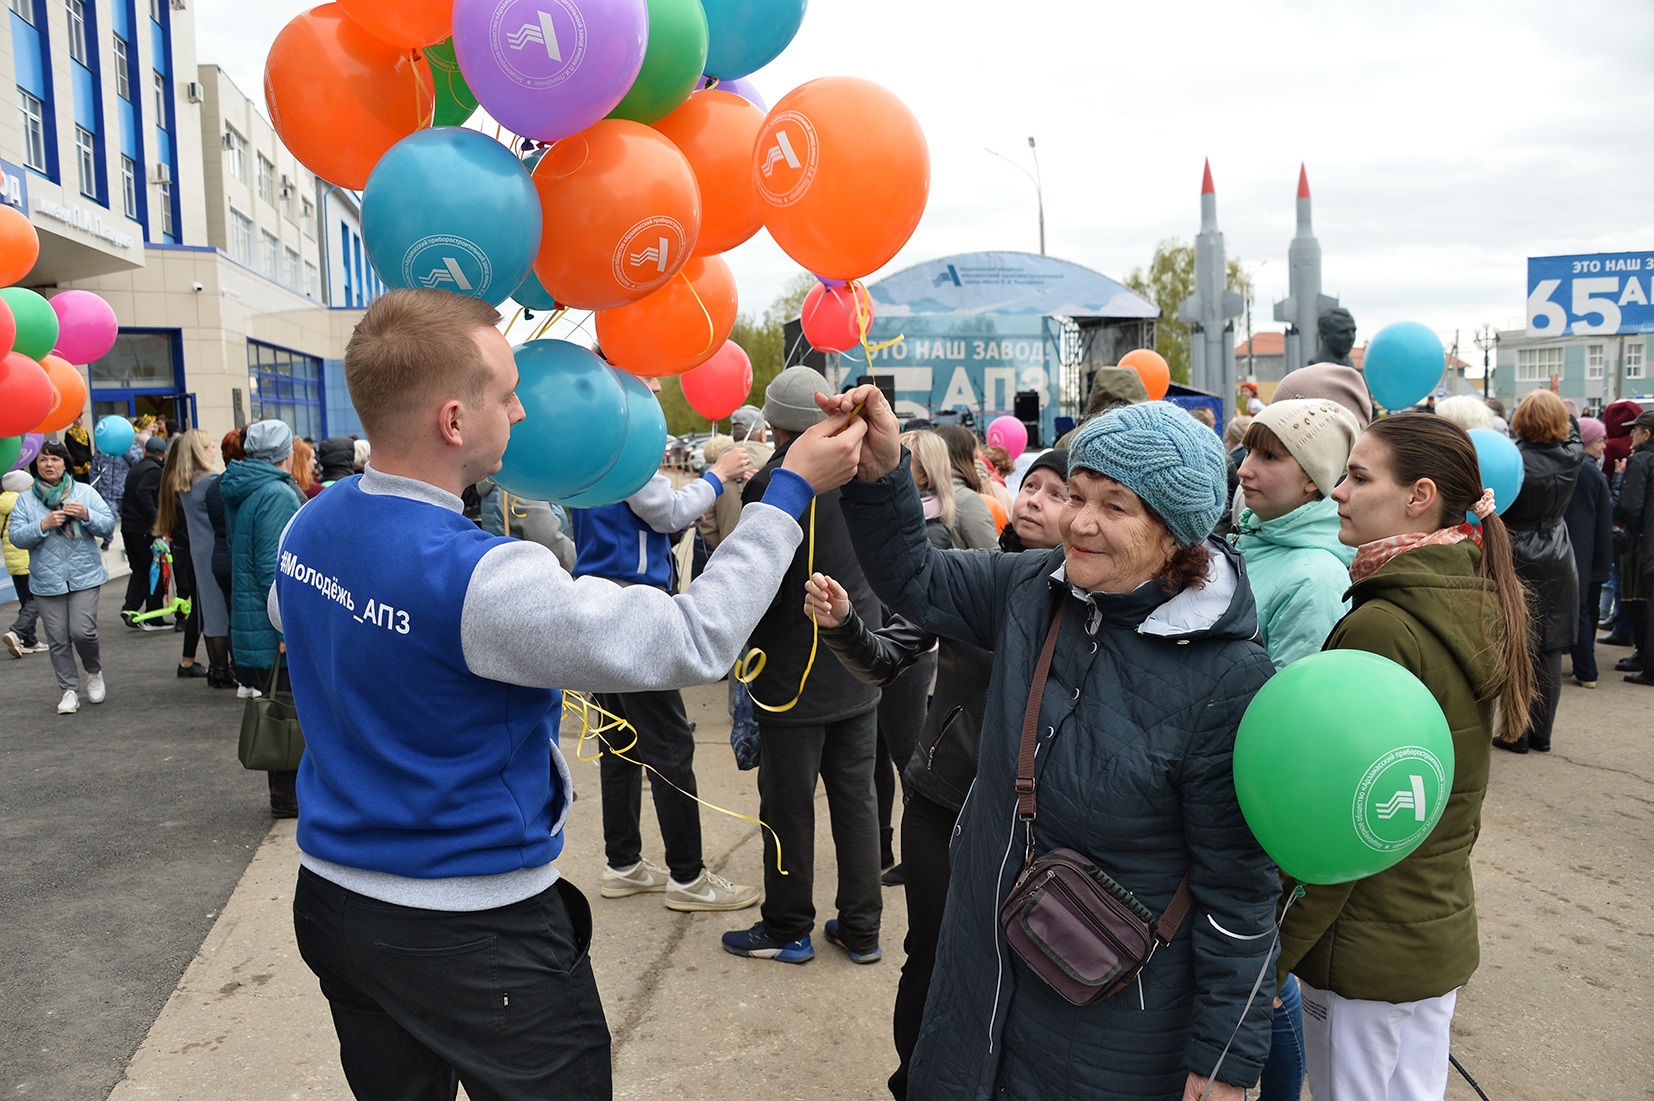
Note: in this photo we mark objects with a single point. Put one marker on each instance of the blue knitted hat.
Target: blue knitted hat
(1166, 457)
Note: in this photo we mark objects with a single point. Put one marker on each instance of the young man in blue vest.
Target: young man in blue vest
(630, 543)
(426, 657)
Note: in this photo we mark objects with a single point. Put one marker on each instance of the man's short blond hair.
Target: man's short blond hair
(414, 348)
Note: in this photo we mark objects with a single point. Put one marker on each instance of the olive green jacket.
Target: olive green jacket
(1409, 932)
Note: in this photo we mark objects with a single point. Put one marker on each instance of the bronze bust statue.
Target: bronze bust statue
(1336, 329)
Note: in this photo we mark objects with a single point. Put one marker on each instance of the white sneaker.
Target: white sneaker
(244, 692)
(37, 648)
(69, 704)
(709, 892)
(151, 625)
(14, 645)
(95, 691)
(640, 878)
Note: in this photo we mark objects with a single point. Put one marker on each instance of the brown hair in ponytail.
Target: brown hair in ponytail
(1422, 445)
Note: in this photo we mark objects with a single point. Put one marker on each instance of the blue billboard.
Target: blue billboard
(1599, 294)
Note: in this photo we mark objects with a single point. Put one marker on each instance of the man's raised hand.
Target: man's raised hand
(881, 450)
(828, 454)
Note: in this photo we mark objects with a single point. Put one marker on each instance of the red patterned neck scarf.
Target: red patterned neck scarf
(1371, 557)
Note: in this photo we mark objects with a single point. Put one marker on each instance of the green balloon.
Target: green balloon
(11, 449)
(454, 101)
(1343, 764)
(672, 64)
(36, 322)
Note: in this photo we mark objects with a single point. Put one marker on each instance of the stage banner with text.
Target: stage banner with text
(1595, 295)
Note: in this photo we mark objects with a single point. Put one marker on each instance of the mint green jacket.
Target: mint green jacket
(1299, 573)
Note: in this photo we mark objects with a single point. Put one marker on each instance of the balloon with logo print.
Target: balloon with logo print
(339, 97)
(1501, 466)
(843, 174)
(719, 386)
(1404, 362)
(86, 326)
(746, 35)
(26, 394)
(451, 209)
(678, 327)
(622, 215)
(640, 455)
(403, 22)
(29, 444)
(1009, 433)
(672, 63)
(1152, 368)
(573, 426)
(836, 318)
(546, 69)
(1342, 765)
(454, 101)
(113, 435)
(68, 394)
(19, 245)
(714, 130)
(37, 324)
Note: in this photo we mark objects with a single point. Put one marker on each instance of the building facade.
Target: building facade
(1593, 371)
(236, 275)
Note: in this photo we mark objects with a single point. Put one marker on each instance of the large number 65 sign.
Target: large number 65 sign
(1591, 298)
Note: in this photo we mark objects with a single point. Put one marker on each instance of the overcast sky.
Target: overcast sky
(1446, 141)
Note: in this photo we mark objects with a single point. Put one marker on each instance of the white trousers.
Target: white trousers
(1376, 1051)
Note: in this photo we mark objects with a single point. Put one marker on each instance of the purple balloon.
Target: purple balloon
(546, 69)
(743, 88)
(32, 442)
(86, 326)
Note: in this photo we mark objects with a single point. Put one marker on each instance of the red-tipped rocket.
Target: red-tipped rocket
(1208, 309)
(1304, 304)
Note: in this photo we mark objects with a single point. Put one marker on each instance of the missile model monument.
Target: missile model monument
(1304, 303)
(1208, 311)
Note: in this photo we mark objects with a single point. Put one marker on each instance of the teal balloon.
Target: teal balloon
(574, 423)
(114, 435)
(1343, 764)
(454, 101)
(451, 209)
(1502, 469)
(1404, 362)
(37, 323)
(532, 294)
(745, 35)
(641, 455)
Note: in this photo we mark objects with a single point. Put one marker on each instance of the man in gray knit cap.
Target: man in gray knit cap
(813, 720)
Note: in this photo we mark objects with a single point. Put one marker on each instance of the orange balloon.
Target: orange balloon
(339, 97)
(843, 172)
(68, 394)
(621, 213)
(1151, 367)
(715, 130)
(403, 22)
(677, 328)
(19, 245)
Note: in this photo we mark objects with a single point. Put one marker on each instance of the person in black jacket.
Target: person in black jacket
(1590, 520)
(942, 769)
(1551, 458)
(1636, 511)
(813, 720)
(138, 506)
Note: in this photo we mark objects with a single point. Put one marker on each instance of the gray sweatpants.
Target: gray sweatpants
(71, 620)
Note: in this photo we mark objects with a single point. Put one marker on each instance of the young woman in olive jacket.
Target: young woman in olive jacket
(1380, 961)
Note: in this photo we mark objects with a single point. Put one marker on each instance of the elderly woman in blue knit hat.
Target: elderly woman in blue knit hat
(1150, 632)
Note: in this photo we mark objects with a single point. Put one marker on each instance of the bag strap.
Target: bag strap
(1176, 910)
(275, 679)
(1027, 803)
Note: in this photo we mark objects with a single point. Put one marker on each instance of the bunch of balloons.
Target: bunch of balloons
(637, 154)
(41, 340)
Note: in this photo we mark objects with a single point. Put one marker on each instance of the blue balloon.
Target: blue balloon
(641, 456)
(454, 210)
(532, 295)
(114, 435)
(574, 424)
(1502, 469)
(1404, 362)
(745, 35)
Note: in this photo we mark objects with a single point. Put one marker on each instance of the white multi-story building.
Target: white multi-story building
(236, 275)
(1595, 371)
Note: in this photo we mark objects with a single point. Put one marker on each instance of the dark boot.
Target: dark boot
(887, 852)
(219, 673)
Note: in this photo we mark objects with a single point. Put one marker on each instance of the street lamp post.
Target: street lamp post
(1487, 339)
(1039, 190)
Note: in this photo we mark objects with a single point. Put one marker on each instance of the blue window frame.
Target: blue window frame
(287, 386)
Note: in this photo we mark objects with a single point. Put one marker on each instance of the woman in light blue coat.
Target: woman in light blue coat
(60, 523)
(1296, 453)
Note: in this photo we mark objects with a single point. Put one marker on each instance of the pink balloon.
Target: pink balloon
(719, 386)
(831, 320)
(86, 326)
(1009, 433)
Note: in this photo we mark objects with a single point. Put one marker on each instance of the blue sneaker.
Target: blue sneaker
(872, 955)
(757, 943)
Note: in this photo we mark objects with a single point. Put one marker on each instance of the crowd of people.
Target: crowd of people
(880, 597)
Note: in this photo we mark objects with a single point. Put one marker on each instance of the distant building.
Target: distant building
(236, 275)
(1262, 359)
(1593, 371)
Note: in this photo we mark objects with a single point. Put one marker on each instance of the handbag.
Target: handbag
(1086, 936)
(271, 740)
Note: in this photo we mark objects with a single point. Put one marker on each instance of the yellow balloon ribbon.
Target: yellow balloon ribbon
(748, 668)
(579, 703)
